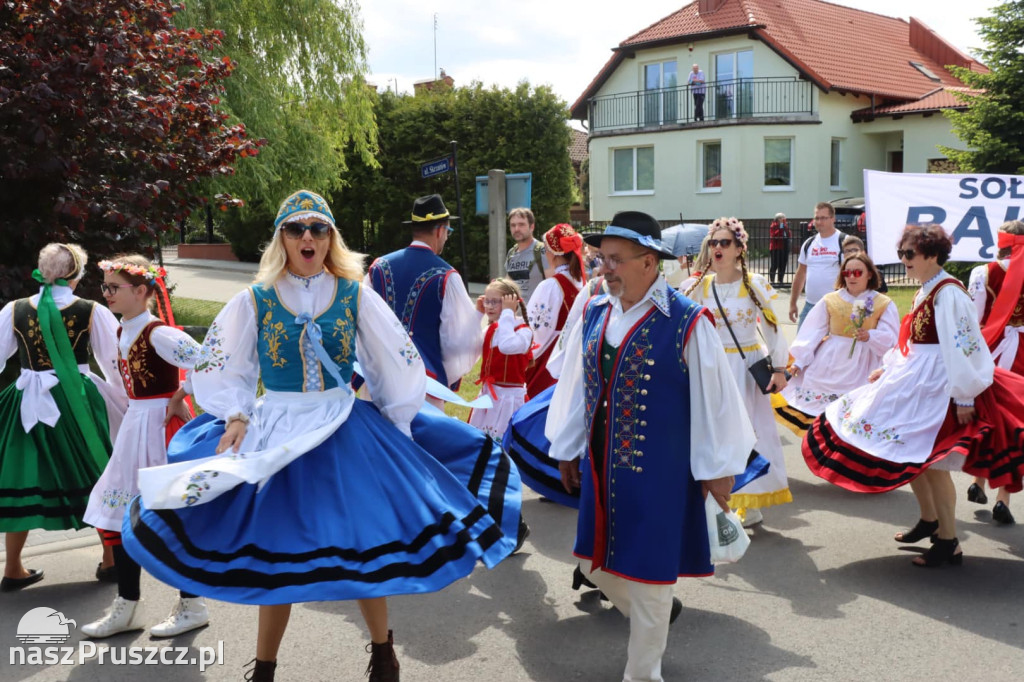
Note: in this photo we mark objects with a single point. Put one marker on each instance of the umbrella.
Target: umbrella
(684, 239)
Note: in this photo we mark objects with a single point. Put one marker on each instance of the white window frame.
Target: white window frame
(701, 144)
(841, 185)
(791, 187)
(612, 192)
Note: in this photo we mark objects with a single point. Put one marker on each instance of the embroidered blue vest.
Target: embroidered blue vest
(287, 358)
(412, 281)
(641, 512)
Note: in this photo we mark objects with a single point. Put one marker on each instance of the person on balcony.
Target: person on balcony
(695, 79)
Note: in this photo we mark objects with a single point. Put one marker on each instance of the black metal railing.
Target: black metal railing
(744, 98)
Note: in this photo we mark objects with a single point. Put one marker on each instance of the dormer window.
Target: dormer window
(926, 71)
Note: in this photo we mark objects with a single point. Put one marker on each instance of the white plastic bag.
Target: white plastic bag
(726, 536)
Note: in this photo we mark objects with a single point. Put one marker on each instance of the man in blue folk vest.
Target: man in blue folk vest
(429, 297)
(646, 420)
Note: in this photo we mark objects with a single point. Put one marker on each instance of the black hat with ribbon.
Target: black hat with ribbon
(636, 227)
(428, 209)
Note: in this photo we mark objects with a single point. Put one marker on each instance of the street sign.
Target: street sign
(436, 167)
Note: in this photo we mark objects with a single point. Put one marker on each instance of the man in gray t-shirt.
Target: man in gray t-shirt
(525, 262)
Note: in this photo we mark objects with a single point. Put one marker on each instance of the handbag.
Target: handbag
(761, 370)
(726, 537)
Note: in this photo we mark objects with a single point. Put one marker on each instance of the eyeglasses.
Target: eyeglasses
(614, 262)
(492, 302)
(824, 217)
(112, 288)
(724, 243)
(295, 230)
(906, 254)
(856, 272)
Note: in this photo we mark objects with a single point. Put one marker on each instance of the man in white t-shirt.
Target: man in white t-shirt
(820, 258)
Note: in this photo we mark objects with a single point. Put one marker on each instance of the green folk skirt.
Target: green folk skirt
(46, 475)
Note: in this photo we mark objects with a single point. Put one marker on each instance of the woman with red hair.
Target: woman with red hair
(550, 304)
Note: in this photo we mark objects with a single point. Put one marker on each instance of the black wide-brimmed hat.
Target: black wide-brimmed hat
(636, 227)
(428, 209)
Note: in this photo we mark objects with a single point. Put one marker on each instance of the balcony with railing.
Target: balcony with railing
(724, 101)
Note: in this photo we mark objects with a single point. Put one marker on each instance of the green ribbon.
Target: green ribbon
(62, 355)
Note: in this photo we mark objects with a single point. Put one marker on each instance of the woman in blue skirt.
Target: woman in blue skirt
(307, 494)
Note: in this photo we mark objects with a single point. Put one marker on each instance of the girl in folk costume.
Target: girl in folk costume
(839, 344)
(998, 292)
(332, 488)
(150, 354)
(741, 305)
(937, 404)
(507, 345)
(550, 303)
(56, 421)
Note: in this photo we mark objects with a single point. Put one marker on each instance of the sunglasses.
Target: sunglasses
(907, 254)
(724, 243)
(295, 230)
(112, 288)
(856, 272)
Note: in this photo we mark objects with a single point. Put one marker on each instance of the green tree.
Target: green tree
(518, 130)
(993, 124)
(299, 84)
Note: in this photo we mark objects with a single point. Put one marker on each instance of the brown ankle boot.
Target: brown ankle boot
(263, 671)
(383, 665)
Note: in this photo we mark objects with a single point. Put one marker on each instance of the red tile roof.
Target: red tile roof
(937, 100)
(836, 47)
(578, 149)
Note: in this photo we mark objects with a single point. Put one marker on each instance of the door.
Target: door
(661, 95)
(734, 88)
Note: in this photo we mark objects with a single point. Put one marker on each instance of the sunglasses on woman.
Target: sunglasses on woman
(856, 272)
(908, 254)
(295, 230)
(724, 243)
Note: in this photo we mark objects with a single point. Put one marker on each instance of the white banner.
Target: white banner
(969, 207)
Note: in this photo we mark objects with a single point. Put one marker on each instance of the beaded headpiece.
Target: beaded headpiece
(303, 204)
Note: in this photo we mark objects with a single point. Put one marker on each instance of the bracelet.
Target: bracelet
(778, 371)
(239, 417)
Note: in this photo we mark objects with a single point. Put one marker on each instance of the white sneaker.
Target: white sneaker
(120, 618)
(187, 614)
(753, 517)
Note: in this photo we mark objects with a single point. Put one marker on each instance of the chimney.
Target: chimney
(442, 82)
(709, 6)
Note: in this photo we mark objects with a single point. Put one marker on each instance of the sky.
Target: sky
(561, 43)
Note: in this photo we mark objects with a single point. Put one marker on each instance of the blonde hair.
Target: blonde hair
(340, 262)
(506, 287)
(135, 280)
(62, 261)
(744, 275)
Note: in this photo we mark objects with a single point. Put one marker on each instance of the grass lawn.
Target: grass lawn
(903, 297)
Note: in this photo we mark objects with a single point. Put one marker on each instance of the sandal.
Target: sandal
(941, 552)
(919, 532)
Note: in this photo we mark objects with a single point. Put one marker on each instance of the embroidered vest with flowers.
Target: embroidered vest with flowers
(32, 353)
(922, 318)
(840, 310)
(144, 373)
(498, 369)
(996, 275)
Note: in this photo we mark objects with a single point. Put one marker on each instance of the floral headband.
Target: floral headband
(733, 225)
(152, 273)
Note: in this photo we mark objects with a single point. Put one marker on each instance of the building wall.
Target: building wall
(677, 159)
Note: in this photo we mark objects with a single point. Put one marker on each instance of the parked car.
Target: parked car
(850, 216)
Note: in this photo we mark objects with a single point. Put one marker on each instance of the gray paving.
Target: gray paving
(822, 594)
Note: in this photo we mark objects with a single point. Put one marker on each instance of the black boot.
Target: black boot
(524, 532)
(263, 671)
(383, 665)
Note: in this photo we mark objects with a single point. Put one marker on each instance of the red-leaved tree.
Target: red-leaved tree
(108, 117)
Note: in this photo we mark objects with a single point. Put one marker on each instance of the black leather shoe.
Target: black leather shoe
(521, 535)
(919, 532)
(975, 493)
(106, 575)
(580, 580)
(677, 608)
(15, 584)
(1001, 514)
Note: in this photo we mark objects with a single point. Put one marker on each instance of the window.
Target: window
(778, 163)
(661, 97)
(633, 170)
(926, 72)
(835, 176)
(711, 166)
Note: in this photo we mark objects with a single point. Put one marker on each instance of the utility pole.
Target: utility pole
(435, 45)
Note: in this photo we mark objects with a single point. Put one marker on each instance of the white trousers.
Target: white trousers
(648, 608)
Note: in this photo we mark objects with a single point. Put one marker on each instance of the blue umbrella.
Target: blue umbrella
(684, 239)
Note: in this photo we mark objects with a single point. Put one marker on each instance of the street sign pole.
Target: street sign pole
(458, 209)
